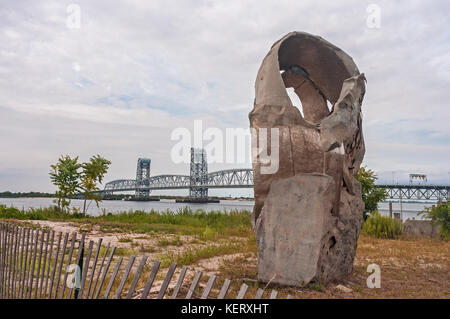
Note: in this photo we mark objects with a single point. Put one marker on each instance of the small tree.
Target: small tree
(93, 173)
(65, 175)
(440, 215)
(371, 195)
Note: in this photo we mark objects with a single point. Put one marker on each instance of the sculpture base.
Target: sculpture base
(298, 241)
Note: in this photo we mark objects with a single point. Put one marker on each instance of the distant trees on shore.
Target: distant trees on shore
(8, 194)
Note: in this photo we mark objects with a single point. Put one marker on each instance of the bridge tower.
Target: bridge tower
(143, 177)
(198, 174)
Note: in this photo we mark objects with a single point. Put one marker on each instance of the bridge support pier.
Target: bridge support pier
(198, 174)
(142, 178)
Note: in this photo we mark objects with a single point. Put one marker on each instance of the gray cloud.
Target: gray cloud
(135, 70)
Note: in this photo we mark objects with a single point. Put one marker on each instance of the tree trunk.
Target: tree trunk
(84, 205)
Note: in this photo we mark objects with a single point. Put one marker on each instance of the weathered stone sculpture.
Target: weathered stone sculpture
(307, 215)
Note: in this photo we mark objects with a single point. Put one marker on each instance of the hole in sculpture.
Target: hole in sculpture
(305, 94)
(330, 106)
(295, 99)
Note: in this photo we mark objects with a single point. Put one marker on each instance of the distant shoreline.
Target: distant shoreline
(8, 194)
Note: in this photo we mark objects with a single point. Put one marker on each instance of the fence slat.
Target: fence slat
(113, 277)
(11, 253)
(194, 284)
(166, 281)
(22, 263)
(3, 259)
(49, 263)
(242, 291)
(100, 270)
(85, 269)
(2, 249)
(273, 294)
(150, 280)
(179, 283)
(39, 265)
(27, 274)
(259, 293)
(224, 289)
(33, 263)
(136, 277)
(94, 265)
(80, 255)
(58, 276)
(19, 262)
(124, 277)
(69, 258)
(43, 264)
(7, 262)
(105, 271)
(58, 247)
(16, 248)
(2, 242)
(208, 287)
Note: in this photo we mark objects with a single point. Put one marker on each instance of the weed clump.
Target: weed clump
(380, 226)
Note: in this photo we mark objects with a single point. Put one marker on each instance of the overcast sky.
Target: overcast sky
(135, 70)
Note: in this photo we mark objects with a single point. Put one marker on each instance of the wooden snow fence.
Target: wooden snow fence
(43, 264)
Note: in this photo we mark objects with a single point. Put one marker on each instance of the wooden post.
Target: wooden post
(390, 209)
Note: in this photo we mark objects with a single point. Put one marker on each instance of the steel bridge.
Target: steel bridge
(417, 192)
(232, 178)
(199, 181)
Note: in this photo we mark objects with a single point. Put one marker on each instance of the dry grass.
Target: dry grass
(410, 268)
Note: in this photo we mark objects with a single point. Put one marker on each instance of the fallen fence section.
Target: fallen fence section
(43, 264)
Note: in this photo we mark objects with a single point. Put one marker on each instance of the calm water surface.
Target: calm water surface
(114, 206)
(409, 210)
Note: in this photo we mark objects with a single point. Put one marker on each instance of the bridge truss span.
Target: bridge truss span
(417, 192)
(230, 178)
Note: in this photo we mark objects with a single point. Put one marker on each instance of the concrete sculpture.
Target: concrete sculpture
(307, 215)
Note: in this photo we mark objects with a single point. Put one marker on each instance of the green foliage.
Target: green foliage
(440, 215)
(92, 173)
(209, 234)
(170, 242)
(184, 220)
(382, 226)
(49, 213)
(208, 225)
(64, 175)
(371, 195)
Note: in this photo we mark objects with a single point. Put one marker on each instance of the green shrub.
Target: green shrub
(440, 215)
(47, 213)
(382, 226)
(209, 234)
